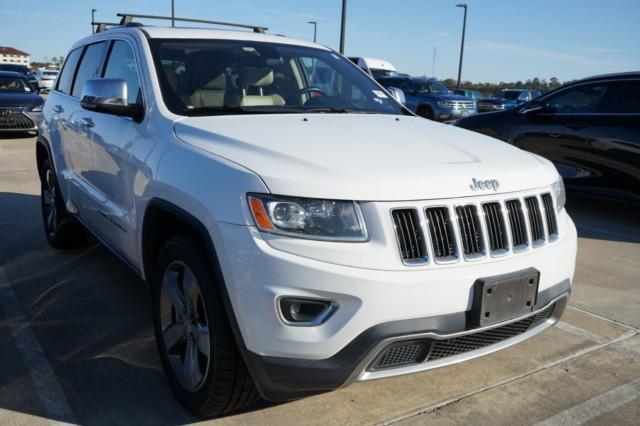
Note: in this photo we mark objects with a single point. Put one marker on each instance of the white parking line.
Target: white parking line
(601, 404)
(33, 357)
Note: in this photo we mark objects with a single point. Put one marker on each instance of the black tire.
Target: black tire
(426, 112)
(215, 385)
(61, 229)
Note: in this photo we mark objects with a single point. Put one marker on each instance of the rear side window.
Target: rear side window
(69, 68)
(122, 64)
(583, 99)
(89, 66)
(628, 101)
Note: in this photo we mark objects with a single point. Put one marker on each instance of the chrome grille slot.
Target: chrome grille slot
(409, 235)
(12, 118)
(517, 224)
(535, 219)
(469, 227)
(496, 230)
(441, 233)
(550, 215)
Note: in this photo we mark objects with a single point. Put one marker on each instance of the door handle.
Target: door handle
(58, 109)
(86, 122)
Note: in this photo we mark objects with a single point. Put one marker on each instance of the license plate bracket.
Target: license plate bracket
(504, 297)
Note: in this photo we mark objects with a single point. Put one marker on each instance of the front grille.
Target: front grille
(12, 118)
(469, 226)
(495, 227)
(441, 232)
(517, 223)
(458, 345)
(550, 215)
(535, 219)
(426, 350)
(409, 234)
(400, 354)
(472, 231)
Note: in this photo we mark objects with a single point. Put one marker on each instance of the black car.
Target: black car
(20, 105)
(25, 71)
(590, 129)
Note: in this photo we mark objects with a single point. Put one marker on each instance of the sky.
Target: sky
(506, 40)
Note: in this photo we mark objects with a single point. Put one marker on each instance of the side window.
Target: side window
(581, 99)
(122, 64)
(68, 70)
(628, 101)
(89, 66)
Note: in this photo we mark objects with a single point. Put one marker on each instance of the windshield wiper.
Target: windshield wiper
(340, 110)
(237, 109)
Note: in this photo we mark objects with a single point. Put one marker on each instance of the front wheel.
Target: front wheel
(199, 355)
(426, 112)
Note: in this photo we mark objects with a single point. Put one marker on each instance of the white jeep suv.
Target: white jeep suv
(299, 228)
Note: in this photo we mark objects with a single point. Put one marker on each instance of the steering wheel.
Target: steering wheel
(310, 90)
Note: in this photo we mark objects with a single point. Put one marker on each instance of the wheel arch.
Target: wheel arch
(162, 220)
(43, 152)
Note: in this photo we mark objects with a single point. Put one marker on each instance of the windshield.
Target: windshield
(50, 73)
(208, 77)
(13, 84)
(380, 73)
(430, 87)
(512, 95)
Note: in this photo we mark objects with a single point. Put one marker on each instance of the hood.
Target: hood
(20, 99)
(445, 96)
(363, 156)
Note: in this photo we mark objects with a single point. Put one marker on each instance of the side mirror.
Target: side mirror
(109, 95)
(535, 107)
(397, 94)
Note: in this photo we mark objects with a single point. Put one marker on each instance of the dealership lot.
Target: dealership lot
(78, 345)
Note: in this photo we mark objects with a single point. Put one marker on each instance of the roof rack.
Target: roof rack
(127, 18)
(103, 26)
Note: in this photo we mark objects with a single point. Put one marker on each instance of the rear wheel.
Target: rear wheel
(199, 355)
(62, 231)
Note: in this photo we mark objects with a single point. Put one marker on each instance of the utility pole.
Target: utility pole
(343, 25)
(464, 27)
(433, 65)
(93, 19)
(173, 13)
(315, 28)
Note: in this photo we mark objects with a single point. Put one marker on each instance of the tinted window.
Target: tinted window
(66, 76)
(122, 64)
(14, 84)
(629, 99)
(580, 99)
(89, 66)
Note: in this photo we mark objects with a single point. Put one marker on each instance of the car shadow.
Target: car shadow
(92, 317)
(601, 219)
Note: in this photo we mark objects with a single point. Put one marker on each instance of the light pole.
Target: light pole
(93, 19)
(315, 29)
(343, 25)
(464, 27)
(173, 13)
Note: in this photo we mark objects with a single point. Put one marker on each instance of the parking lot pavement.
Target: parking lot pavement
(77, 341)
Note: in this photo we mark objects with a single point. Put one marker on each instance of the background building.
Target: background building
(9, 55)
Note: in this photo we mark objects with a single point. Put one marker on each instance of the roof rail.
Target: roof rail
(127, 18)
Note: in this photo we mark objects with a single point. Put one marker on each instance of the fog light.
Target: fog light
(307, 312)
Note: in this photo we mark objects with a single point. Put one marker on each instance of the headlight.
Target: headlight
(37, 108)
(308, 218)
(445, 104)
(559, 194)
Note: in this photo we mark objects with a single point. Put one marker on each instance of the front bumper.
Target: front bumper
(454, 114)
(282, 379)
(374, 305)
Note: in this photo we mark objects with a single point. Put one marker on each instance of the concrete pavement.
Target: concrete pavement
(94, 359)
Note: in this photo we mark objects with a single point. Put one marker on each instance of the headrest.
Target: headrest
(254, 76)
(217, 83)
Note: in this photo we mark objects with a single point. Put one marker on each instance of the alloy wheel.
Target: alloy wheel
(185, 328)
